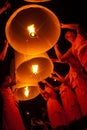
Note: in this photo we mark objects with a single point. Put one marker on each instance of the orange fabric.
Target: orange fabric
(81, 54)
(56, 113)
(70, 103)
(11, 116)
(79, 83)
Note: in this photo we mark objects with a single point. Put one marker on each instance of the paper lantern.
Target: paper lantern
(32, 29)
(37, 0)
(24, 92)
(32, 68)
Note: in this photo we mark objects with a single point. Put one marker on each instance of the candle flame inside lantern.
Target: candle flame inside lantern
(26, 92)
(35, 69)
(31, 29)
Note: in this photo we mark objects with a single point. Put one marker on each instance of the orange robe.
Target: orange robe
(55, 111)
(70, 103)
(78, 81)
(11, 116)
(79, 49)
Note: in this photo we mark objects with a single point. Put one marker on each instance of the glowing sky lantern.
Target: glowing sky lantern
(32, 29)
(33, 68)
(26, 91)
(37, 0)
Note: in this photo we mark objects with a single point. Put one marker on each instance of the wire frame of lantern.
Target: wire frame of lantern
(32, 29)
(33, 68)
(24, 92)
(36, 1)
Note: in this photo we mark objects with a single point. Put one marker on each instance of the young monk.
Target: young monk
(78, 39)
(56, 114)
(69, 101)
(77, 79)
(11, 119)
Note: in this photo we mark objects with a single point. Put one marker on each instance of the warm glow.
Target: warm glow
(55, 80)
(31, 30)
(26, 92)
(35, 69)
(27, 112)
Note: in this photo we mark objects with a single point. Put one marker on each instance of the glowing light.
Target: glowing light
(26, 92)
(55, 80)
(27, 113)
(31, 30)
(35, 69)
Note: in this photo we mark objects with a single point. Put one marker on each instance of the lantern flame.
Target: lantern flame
(26, 92)
(31, 30)
(35, 69)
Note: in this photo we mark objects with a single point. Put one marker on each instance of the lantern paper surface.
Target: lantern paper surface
(32, 29)
(25, 92)
(32, 68)
(37, 0)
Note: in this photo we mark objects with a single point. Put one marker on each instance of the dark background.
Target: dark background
(67, 11)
